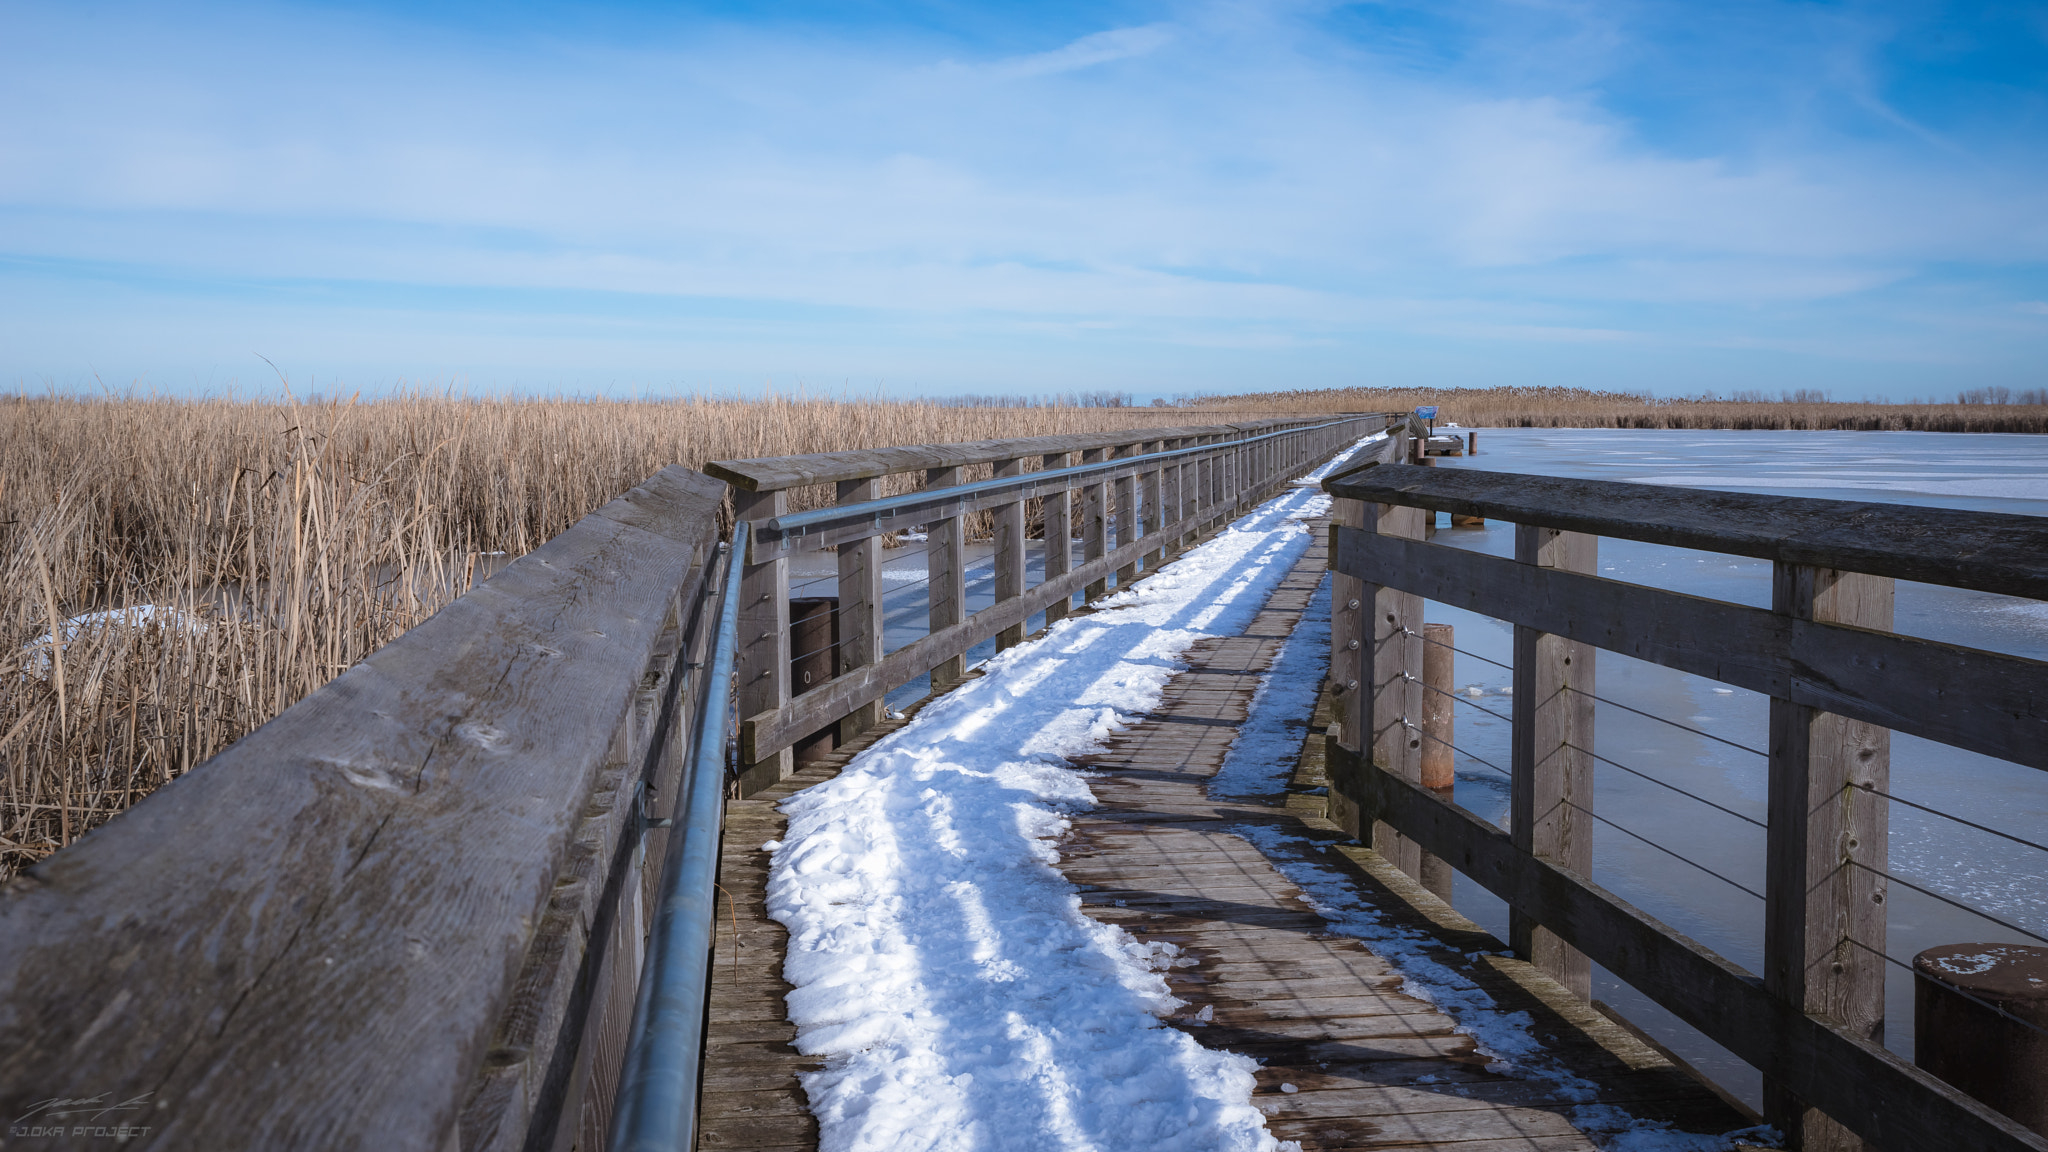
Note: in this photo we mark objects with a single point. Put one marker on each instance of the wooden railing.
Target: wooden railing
(1144, 494)
(1839, 678)
(410, 912)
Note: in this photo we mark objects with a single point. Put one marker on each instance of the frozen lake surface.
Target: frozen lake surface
(1992, 473)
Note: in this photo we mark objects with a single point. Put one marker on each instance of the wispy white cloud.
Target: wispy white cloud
(1236, 173)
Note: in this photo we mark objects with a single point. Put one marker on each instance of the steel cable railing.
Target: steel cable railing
(656, 1108)
(1426, 735)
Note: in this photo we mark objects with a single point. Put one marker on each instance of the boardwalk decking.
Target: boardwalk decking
(1372, 1066)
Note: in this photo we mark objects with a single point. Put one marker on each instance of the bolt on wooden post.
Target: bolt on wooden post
(1825, 854)
(761, 667)
(1551, 793)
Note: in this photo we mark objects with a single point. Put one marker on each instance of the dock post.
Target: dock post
(761, 667)
(1439, 727)
(945, 552)
(860, 608)
(1825, 853)
(1551, 794)
(1059, 535)
(1010, 559)
(1349, 712)
(814, 652)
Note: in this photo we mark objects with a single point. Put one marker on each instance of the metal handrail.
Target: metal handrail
(797, 524)
(656, 1110)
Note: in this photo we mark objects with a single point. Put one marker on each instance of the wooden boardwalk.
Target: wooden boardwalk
(1371, 1066)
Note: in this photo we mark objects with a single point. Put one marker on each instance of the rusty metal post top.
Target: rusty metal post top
(1994, 972)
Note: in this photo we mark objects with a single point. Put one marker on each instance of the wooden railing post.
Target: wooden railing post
(1824, 918)
(1173, 494)
(1350, 696)
(1155, 511)
(1551, 795)
(1059, 525)
(860, 608)
(1205, 489)
(1094, 524)
(1395, 685)
(1010, 559)
(1127, 527)
(945, 566)
(761, 670)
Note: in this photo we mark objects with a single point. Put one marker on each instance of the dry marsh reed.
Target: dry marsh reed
(1981, 410)
(175, 573)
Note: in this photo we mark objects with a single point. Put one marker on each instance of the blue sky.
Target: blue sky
(950, 197)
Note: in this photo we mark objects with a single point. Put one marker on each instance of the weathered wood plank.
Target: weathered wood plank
(761, 667)
(1988, 551)
(1551, 794)
(1825, 854)
(327, 964)
(1986, 702)
(1831, 1067)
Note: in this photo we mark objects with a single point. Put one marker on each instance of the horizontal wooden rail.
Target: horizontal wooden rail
(1986, 702)
(773, 473)
(1840, 681)
(1986, 551)
(1160, 487)
(1895, 1105)
(404, 914)
(824, 527)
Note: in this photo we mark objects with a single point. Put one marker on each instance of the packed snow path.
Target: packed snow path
(952, 991)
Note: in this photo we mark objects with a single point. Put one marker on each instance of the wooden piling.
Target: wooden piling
(1980, 1022)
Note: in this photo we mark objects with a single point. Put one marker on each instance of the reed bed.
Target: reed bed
(175, 573)
(1980, 410)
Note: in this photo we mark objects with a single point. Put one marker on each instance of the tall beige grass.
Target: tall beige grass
(1982, 410)
(291, 540)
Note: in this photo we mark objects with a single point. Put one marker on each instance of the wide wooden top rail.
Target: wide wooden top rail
(403, 914)
(1986, 551)
(773, 473)
(822, 527)
(1839, 678)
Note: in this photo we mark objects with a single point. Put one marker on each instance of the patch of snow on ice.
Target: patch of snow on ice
(943, 968)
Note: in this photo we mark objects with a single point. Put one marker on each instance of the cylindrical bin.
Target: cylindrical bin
(813, 657)
(1994, 1047)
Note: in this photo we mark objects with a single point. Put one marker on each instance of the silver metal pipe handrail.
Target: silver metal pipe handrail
(797, 524)
(656, 1110)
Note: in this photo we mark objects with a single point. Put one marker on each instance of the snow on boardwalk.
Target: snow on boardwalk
(950, 986)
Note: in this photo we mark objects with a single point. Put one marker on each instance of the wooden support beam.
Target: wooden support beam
(1059, 529)
(1094, 524)
(860, 608)
(946, 568)
(1551, 795)
(1127, 524)
(1824, 920)
(761, 667)
(1010, 559)
(1394, 663)
(1151, 495)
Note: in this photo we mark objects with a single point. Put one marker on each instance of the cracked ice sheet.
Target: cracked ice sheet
(1502, 1037)
(943, 968)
